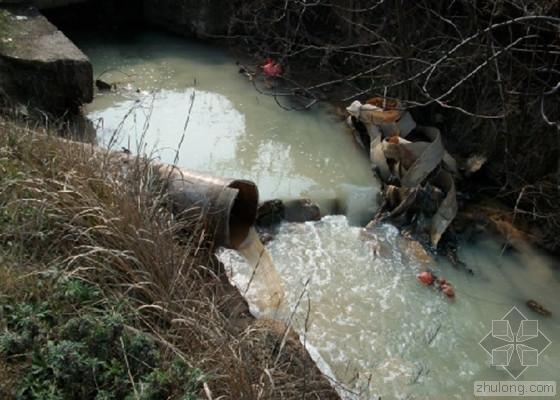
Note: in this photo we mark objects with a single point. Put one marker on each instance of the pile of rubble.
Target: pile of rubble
(417, 172)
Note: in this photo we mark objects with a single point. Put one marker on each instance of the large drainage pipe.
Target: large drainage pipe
(230, 205)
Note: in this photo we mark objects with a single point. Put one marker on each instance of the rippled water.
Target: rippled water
(356, 299)
(380, 331)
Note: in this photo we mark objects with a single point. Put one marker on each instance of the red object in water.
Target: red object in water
(448, 290)
(426, 277)
(272, 69)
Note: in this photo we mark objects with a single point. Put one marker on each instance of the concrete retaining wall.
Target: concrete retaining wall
(39, 66)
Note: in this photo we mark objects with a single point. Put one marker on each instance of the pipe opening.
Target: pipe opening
(243, 212)
(229, 205)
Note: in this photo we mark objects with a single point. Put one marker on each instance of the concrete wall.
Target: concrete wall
(39, 66)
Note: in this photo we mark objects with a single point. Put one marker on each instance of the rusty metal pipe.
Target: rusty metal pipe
(230, 205)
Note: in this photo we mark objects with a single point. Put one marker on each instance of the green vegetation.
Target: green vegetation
(72, 343)
(62, 337)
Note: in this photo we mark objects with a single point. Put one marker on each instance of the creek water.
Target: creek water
(353, 297)
(381, 333)
(188, 102)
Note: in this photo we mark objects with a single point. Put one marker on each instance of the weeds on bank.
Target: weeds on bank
(105, 294)
(71, 343)
(67, 229)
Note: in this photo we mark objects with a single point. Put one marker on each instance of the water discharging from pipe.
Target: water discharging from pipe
(264, 290)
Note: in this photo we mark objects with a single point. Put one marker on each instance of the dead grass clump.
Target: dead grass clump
(74, 210)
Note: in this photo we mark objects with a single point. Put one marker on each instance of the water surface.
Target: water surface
(381, 333)
(356, 299)
(177, 95)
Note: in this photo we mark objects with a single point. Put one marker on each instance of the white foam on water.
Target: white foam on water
(384, 334)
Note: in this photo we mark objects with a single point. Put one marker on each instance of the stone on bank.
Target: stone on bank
(39, 66)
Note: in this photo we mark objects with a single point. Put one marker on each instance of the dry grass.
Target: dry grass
(75, 209)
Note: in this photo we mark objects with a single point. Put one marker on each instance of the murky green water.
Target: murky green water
(375, 328)
(232, 131)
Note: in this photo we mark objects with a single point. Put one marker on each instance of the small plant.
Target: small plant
(77, 291)
(143, 356)
(13, 344)
(161, 384)
(85, 351)
(71, 366)
(27, 317)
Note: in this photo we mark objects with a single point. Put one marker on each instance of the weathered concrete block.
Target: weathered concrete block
(199, 18)
(39, 65)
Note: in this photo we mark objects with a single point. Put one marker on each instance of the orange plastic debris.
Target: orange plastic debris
(272, 69)
(426, 278)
